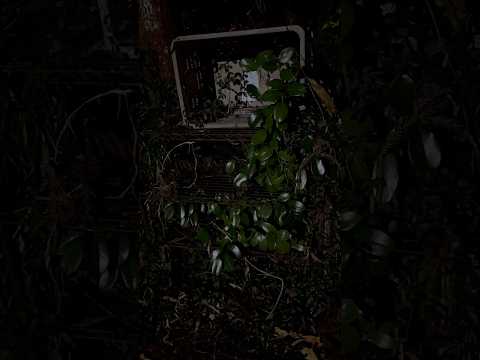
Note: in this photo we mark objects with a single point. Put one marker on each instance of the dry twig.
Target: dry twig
(270, 314)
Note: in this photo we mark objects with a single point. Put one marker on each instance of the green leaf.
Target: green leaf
(254, 119)
(390, 177)
(383, 340)
(274, 142)
(258, 239)
(280, 112)
(270, 66)
(308, 144)
(244, 219)
(106, 280)
(269, 123)
(286, 55)
(230, 167)
(259, 137)
(283, 245)
(275, 84)
(217, 265)
(271, 95)
(212, 207)
(301, 180)
(277, 180)
(227, 263)
(240, 179)
(169, 211)
(297, 206)
(283, 235)
(272, 241)
(282, 218)
(103, 257)
(252, 90)
(264, 154)
(218, 212)
(269, 185)
(320, 167)
(250, 65)
(380, 244)
(267, 227)
(235, 217)
(348, 220)
(264, 211)
(287, 75)
(194, 219)
(241, 236)
(203, 235)
(284, 197)
(260, 179)
(296, 89)
(432, 150)
(72, 254)
(284, 155)
(267, 111)
(264, 57)
(252, 168)
(182, 212)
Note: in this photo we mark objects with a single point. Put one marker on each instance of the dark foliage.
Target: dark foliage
(86, 271)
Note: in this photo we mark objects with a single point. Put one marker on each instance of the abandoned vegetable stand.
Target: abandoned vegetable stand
(244, 174)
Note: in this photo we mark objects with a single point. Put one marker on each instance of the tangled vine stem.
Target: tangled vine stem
(270, 314)
(173, 149)
(192, 149)
(68, 120)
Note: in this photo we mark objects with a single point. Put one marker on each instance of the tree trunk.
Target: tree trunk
(156, 33)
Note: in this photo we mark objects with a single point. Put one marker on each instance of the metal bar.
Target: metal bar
(293, 28)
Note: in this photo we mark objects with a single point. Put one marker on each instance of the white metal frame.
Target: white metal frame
(231, 34)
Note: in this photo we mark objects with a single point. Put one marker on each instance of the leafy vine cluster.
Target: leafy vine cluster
(286, 159)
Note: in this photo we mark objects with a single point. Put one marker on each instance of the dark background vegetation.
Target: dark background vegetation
(79, 274)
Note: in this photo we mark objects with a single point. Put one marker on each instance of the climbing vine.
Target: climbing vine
(278, 161)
